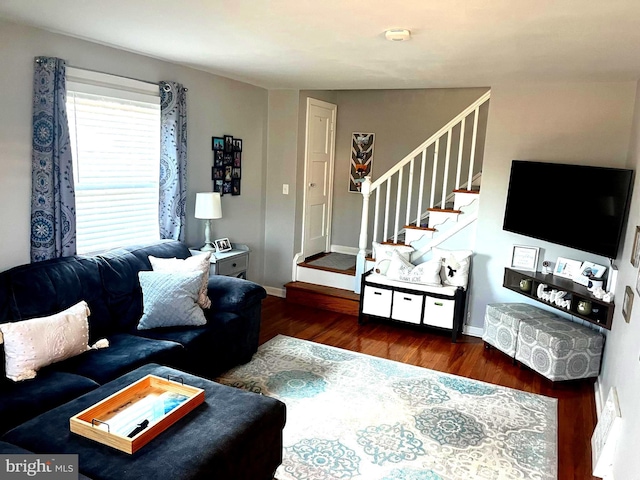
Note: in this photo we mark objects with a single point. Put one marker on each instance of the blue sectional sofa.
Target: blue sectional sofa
(109, 284)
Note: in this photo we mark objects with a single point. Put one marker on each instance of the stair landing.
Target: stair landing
(324, 298)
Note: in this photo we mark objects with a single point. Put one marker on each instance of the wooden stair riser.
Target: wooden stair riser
(323, 298)
(464, 198)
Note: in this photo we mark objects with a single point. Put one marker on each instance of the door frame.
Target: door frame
(332, 156)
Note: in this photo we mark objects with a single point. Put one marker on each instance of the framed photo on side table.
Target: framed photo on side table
(222, 245)
(525, 258)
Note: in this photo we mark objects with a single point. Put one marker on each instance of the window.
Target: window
(114, 125)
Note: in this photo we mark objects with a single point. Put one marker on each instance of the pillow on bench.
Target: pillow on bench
(426, 273)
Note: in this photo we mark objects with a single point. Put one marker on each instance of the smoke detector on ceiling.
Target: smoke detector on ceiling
(398, 35)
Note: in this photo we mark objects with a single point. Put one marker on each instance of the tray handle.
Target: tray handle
(169, 376)
(95, 420)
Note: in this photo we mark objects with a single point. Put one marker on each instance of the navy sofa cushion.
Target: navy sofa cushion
(21, 401)
(44, 288)
(233, 435)
(125, 353)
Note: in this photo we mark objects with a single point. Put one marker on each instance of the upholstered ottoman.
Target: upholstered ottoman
(233, 435)
(559, 349)
(501, 322)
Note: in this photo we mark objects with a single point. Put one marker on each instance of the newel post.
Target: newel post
(365, 190)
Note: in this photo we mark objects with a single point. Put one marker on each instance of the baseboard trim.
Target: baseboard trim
(473, 331)
(345, 250)
(276, 292)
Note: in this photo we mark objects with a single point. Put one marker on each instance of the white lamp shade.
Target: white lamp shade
(208, 205)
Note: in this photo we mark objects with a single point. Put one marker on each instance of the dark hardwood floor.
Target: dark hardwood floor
(434, 350)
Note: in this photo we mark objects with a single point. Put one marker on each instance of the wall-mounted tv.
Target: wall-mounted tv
(573, 205)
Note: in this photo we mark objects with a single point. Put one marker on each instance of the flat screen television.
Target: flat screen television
(572, 205)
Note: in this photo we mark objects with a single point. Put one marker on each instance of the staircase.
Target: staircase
(427, 198)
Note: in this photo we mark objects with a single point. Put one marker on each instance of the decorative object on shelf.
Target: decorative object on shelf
(547, 267)
(589, 271)
(635, 252)
(525, 258)
(208, 207)
(226, 172)
(525, 284)
(567, 268)
(223, 245)
(584, 307)
(627, 304)
(594, 283)
(362, 145)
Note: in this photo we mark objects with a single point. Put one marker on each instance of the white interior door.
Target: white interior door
(320, 143)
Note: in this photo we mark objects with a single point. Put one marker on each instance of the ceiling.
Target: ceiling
(340, 44)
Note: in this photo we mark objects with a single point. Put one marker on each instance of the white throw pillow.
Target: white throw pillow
(383, 252)
(455, 266)
(426, 273)
(32, 344)
(196, 263)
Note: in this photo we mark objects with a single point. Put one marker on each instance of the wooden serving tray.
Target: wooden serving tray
(161, 402)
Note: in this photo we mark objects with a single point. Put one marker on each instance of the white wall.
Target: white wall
(621, 368)
(216, 106)
(576, 123)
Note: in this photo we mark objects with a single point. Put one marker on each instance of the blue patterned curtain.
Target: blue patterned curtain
(173, 160)
(53, 223)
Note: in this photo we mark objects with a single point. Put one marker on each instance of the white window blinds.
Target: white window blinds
(115, 138)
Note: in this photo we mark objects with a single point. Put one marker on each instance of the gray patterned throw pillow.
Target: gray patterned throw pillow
(170, 300)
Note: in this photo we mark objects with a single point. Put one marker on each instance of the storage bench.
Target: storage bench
(501, 323)
(417, 304)
(559, 349)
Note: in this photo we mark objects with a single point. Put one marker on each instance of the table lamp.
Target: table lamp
(208, 207)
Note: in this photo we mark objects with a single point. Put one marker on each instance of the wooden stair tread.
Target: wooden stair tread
(413, 227)
(351, 272)
(477, 192)
(324, 298)
(445, 210)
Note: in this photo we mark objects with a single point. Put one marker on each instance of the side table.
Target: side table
(233, 263)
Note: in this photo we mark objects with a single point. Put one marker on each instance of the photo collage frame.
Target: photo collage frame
(226, 172)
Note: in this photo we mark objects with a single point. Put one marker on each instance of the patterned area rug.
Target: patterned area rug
(351, 415)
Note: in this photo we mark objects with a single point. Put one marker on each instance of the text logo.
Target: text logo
(50, 467)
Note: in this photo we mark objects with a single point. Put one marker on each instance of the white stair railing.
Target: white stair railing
(437, 187)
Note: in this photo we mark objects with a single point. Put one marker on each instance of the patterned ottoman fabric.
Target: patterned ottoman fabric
(559, 349)
(501, 322)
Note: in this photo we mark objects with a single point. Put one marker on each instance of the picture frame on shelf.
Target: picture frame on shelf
(635, 252)
(525, 258)
(217, 144)
(593, 270)
(222, 245)
(627, 304)
(567, 268)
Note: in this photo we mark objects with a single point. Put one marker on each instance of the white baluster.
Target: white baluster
(365, 189)
(397, 215)
(473, 147)
(421, 191)
(409, 193)
(385, 232)
(460, 150)
(433, 173)
(446, 171)
(376, 216)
